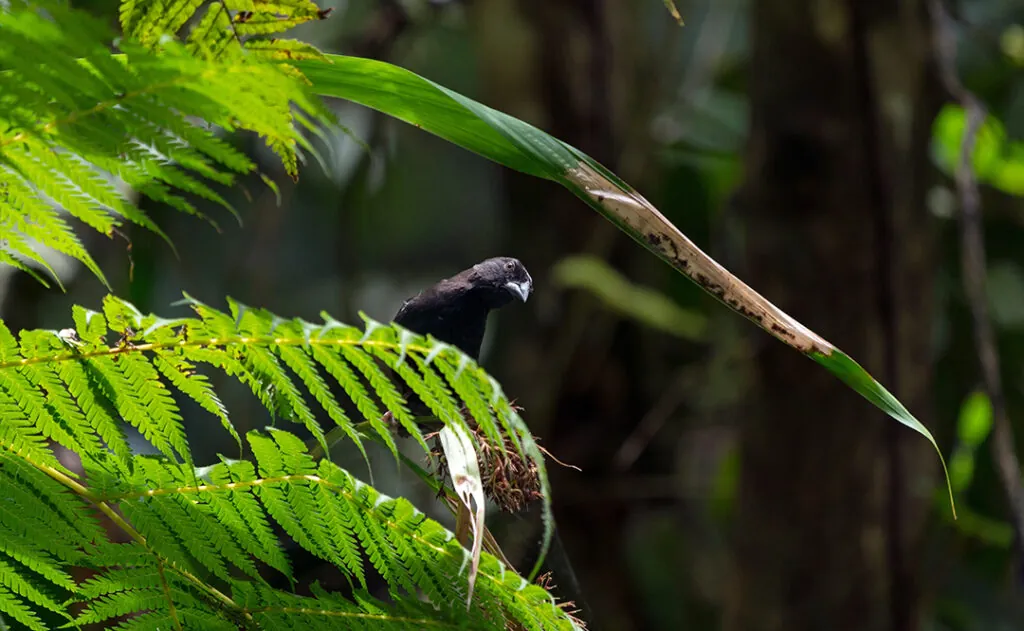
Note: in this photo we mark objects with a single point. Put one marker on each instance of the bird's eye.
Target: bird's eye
(510, 266)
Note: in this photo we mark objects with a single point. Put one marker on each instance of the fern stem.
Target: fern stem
(209, 488)
(113, 351)
(167, 594)
(209, 590)
(348, 614)
(231, 21)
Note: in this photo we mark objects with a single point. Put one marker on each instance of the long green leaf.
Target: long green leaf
(520, 146)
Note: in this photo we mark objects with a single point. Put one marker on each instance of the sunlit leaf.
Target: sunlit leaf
(996, 160)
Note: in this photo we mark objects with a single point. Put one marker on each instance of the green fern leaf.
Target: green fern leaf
(291, 505)
(347, 379)
(132, 385)
(37, 220)
(9, 350)
(209, 542)
(241, 513)
(73, 110)
(382, 386)
(466, 388)
(194, 530)
(22, 437)
(181, 374)
(162, 538)
(58, 523)
(287, 7)
(133, 601)
(80, 190)
(45, 381)
(130, 12)
(11, 579)
(267, 368)
(32, 556)
(283, 49)
(301, 364)
(99, 412)
(268, 24)
(161, 18)
(28, 254)
(19, 611)
(213, 34)
(114, 580)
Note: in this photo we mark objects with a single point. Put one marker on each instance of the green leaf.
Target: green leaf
(996, 160)
(975, 421)
(973, 428)
(853, 375)
(643, 304)
(520, 146)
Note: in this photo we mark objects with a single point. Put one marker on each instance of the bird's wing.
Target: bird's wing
(419, 312)
(443, 312)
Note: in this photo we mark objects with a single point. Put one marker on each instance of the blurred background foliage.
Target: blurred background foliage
(725, 483)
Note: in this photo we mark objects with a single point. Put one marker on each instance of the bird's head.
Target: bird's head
(504, 278)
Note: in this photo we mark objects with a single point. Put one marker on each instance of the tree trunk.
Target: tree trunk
(842, 97)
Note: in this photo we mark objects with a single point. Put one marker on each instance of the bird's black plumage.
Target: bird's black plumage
(455, 309)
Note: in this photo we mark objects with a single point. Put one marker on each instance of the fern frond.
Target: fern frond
(340, 370)
(44, 379)
(203, 539)
(303, 365)
(323, 508)
(30, 216)
(281, 361)
(183, 376)
(212, 36)
(130, 383)
(99, 411)
(43, 533)
(7, 257)
(73, 114)
(225, 26)
(74, 187)
(19, 611)
(279, 49)
(326, 611)
(268, 24)
(147, 24)
(243, 516)
(15, 581)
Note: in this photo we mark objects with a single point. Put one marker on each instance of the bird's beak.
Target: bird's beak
(520, 290)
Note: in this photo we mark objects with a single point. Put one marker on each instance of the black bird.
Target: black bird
(455, 309)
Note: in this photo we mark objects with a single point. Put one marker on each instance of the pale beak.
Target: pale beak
(520, 290)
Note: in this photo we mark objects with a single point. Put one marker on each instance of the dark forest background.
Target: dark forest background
(726, 481)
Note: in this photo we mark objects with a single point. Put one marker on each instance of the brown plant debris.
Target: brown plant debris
(509, 480)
